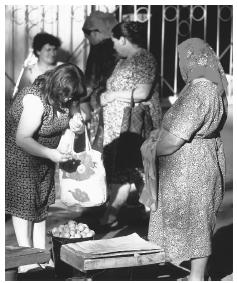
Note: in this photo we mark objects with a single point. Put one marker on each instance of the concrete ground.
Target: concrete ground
(133, 219)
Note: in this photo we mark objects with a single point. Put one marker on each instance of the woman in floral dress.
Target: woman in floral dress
(34, 125)
(191, 160)
(135, 72)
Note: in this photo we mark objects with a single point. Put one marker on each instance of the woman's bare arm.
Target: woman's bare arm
(29, 123)
(140, 93)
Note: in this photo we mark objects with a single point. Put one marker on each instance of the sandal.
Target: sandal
(49, 264)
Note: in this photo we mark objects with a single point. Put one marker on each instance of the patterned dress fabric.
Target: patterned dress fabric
(138, 69)
(191, 180)
(29, 180)
(32, 72)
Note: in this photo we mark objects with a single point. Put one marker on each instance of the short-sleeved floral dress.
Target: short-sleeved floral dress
(128, 73)
(29, 180)
(191, 179)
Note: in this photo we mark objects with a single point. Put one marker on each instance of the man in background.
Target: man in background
(100, 64)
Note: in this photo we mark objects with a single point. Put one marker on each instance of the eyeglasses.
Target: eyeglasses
(89, 31)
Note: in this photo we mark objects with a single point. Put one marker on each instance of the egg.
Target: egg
(72, 229)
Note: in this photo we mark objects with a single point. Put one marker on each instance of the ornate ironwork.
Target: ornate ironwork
(198, 13)
(181, 19)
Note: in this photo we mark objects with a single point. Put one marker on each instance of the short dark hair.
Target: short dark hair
(43, 38)
(133, 31)
(66, 80)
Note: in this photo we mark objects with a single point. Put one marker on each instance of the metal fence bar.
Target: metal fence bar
(120, 12)
(225, 51)
(71, 35)
(13, 50)
(162, 49)
(135, 12)
(218, 33)
(85, 46)
(190, 20)
(167, 84)
(205, 22)
(43, 18)
(26, 30)
(148, 27)
(231, 50)
(57, 21)
(176, 51)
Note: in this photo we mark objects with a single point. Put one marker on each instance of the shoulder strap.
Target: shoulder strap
(87, 140)
(132, 98)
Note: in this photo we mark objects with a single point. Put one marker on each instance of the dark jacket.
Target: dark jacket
(100, 65)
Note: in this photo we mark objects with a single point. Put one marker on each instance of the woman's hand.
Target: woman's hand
(107, 97)
(76, 124)
(56, 156)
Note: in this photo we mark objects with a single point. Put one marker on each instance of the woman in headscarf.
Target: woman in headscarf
(191, 169)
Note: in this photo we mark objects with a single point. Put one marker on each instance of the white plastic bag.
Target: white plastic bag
(67, 141)
(83, 182)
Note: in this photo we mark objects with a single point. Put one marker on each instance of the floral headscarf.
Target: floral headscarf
(198, 60)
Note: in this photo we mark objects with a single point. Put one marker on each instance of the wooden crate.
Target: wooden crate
(74, 255)
(16, 256)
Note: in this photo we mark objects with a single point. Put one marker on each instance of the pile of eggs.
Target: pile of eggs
(72, 229)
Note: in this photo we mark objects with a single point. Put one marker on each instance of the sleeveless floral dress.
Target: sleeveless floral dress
(29, 180)
(139, 69)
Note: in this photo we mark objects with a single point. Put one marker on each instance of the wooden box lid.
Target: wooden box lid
(124, 251)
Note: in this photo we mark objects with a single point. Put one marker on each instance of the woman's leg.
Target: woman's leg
(23, 231)
(39, 239)
(198, 267)
(118, 197)
(39, 234)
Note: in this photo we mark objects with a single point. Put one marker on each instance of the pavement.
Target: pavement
(133, 218)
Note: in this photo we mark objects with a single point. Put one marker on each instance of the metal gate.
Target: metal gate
(167, 26)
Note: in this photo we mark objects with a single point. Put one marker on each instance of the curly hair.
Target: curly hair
(133, 31)
(43, 38)
(64, 81)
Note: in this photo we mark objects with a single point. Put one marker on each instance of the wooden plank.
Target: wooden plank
(130, 243)
(124, 261)
(81, 263)
(128, 253)
(16, 256)
(74, 248)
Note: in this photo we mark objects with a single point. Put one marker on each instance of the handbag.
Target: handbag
(135, 128)
(137, 119)
(82, 181)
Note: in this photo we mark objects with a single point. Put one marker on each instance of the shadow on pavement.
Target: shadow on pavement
(37, 275)
(221, 261)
